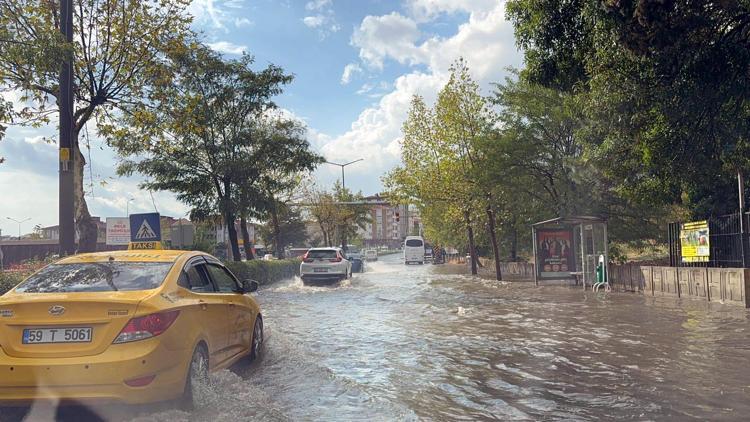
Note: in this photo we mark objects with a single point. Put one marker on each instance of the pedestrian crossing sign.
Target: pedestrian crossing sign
(145, 227)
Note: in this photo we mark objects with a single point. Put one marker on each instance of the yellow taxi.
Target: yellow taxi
(126, 326)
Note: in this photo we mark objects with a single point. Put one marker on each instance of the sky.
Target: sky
(357, 64)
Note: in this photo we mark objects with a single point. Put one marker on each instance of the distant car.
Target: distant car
(428, 254)
(124, 326)
(371, 255)
(324, 265)
(355, 257)
(268, 257)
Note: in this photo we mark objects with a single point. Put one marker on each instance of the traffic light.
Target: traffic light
(398, 218)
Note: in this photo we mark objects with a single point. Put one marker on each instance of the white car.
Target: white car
(371, 255)
(324, 265)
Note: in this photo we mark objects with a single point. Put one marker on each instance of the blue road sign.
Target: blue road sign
(145, 227)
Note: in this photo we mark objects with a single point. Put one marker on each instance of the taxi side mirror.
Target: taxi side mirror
(250, 285)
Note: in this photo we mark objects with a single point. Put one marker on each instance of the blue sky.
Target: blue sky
(356, 65)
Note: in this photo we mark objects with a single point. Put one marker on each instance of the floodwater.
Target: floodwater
(426, 343)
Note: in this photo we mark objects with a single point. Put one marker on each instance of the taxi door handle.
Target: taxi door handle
(203, 304)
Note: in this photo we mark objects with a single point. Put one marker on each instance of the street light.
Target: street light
(19, 224)
(127, 207)
(343, 180)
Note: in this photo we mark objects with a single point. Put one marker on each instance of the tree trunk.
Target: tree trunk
(246, 240)
(85, 227)
(343, 238)
(493, 239)
(472, 249)
(229, 221)
(513, 242)
(277, 245)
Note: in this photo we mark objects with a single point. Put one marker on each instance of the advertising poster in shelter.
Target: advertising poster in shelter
(694, 242)
(555, 255)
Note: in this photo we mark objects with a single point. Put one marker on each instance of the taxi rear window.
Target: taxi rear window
(96, 277)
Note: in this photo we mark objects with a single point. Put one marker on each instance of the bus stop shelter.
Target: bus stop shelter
(567, 249)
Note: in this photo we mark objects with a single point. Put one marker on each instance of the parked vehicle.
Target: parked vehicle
(126, 326)
(428, 252)
(355, 257)
(371, 255)
(414, 250)
(325, 266)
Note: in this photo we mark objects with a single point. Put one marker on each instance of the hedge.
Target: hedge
(265, 272)
(9, 279)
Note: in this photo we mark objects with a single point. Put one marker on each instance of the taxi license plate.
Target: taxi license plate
(57, 335)
(321, 270)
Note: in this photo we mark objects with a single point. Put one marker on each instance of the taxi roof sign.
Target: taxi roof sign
(137, 246)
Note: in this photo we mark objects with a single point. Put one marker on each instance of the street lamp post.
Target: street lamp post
(343, 186)
(127, 207)
(19, 224)
(343, 179)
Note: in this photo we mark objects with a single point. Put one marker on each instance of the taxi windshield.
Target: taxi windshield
(96, 277)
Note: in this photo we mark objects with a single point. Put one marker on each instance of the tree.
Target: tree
(287, 229)
(338, 221)
(441, 158)
(281, 156)
(195, 134)
(117, 45)
(664, 88)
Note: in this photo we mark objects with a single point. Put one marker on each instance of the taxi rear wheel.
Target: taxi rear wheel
(257, 342)
(197, 377)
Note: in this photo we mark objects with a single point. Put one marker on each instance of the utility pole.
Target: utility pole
(67, 153)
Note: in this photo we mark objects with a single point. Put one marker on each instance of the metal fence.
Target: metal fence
(728, 245)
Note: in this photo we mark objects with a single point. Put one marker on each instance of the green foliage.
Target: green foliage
(265, 272)
(207, 133)
(662, 84)
(117, 46)
(9, 279)
(292, 229)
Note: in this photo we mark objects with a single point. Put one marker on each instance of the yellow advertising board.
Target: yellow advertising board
(694, 241)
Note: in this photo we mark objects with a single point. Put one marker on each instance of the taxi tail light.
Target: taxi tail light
(147, 326)
(140, 382)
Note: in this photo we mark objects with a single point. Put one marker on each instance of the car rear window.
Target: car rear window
(414, 242)
(97, 277)
(322, 254)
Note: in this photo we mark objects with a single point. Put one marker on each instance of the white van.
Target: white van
(414, 250)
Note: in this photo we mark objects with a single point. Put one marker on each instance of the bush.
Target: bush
(265, 272)
(9, 279)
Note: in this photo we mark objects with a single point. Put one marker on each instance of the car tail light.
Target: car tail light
(140, 382)
(337, 259)
(306, 259)
(147, 326)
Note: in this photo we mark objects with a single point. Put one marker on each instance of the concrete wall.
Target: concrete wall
(726, 285)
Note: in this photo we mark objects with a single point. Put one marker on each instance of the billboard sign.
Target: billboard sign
(555, 256)
(694, 242)
(118, 231)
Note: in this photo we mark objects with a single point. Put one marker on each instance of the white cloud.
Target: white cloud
(227, 47)
(324, 19)
(424, 10)
(318, 5)
(349, 71)
(393, 35)
(240, 22)
(216, 14)
(485, 41)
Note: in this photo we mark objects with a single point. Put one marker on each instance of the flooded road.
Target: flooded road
(420, 343)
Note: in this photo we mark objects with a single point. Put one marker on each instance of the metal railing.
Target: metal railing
(728, 244)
